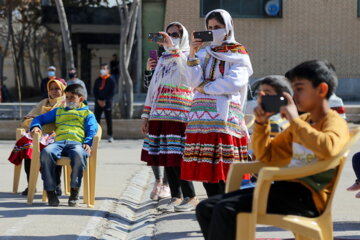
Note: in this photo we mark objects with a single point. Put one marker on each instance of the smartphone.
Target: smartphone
(272, 103)
(155, 37)
(205, 36)
(153, 54)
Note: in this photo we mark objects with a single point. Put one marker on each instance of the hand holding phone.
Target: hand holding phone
(273, 103)
(156, 37)
(205, 36)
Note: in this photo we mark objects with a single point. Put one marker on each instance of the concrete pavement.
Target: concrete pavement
(123, 209)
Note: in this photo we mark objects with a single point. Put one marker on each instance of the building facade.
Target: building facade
(306, 29)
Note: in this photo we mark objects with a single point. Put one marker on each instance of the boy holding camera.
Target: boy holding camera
(76, 127)
(317, 135)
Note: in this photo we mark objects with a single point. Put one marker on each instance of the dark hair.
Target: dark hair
(178, 26)
(217, 16)
(278, 82)
(72, 69)
(104, 65)
(316, 71)
(75, 89)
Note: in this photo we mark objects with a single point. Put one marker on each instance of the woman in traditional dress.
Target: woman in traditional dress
(216, 134)
(165, 116)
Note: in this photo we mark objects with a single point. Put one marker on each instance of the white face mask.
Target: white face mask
(103, 72)
(218, 36)
(176, 42)
(71, 105)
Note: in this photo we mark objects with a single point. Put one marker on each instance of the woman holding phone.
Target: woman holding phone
(165, 116)
(216, 134)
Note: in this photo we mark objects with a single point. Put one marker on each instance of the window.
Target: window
(241, 8)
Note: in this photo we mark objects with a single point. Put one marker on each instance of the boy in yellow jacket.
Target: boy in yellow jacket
(317, 135)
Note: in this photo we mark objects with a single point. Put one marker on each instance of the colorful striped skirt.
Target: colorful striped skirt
(164, 145)
(207, 157)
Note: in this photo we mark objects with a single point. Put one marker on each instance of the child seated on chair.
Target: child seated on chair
(75, 127)
(317, 135)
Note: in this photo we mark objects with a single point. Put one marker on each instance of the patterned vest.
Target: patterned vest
(70, 124)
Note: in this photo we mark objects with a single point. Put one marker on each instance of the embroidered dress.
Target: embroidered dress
(167, 106)
(216, 135)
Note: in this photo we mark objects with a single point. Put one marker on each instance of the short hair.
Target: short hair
(75, 89)
(316, 71)
(104, 65)
(217, 16)
(278, 82)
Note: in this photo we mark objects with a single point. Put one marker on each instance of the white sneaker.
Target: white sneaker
(110, 139)
(154, 195)
(164, 191)
(170, 207)
(187, 205)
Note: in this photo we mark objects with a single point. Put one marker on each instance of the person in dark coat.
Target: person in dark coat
(104, 88)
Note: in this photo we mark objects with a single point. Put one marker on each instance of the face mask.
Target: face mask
(103, 72)
(218, 36)
(71, 105)
(176, 42)
(71, 75)
(51, 73)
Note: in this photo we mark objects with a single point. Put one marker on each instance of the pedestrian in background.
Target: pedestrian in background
(73, 79)
(104, 89)
(51, 75)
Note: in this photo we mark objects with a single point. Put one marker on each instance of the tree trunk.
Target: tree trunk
(65, 35)
(128, 16)
(4, 52)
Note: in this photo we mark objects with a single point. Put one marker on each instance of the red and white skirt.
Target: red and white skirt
(164, 144)
(207, 157)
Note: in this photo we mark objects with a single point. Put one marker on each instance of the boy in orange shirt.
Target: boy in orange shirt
(317, 135)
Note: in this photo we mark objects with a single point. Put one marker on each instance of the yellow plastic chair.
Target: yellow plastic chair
(303, 228)
(89, 178)
(249, 120)
(17, 169)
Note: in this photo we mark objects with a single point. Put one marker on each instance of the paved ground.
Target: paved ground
(123, 209)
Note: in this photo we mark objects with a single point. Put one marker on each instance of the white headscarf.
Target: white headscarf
(229, 25)
(233, 57)
(184, 41)
(168, 73)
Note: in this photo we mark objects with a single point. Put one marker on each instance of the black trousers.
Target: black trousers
(217, 215)
(27, 165)
(107, 110)
(178, 186)
(213, 189)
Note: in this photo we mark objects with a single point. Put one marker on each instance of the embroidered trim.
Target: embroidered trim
(192, 63)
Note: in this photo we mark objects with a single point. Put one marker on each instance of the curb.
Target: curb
(134, 214)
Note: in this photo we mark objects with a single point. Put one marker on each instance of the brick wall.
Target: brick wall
(309, 29)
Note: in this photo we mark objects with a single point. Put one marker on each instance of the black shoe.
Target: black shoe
(52, 199)
(25, 192)
(74, 197)
(58, 190)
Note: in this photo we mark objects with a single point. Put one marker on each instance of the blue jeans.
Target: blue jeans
(50, 154)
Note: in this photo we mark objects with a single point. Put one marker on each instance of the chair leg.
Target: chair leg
(44, 196)
(67, 177)
(326, 226)
(301, 237)
(17, 172)
(34, 173)
(92, 179)
(245, 227)
(86, 197)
